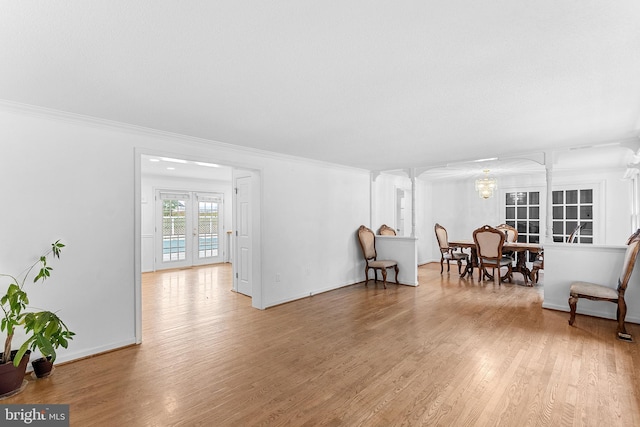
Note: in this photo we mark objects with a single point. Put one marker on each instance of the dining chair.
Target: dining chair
(510, 232)
(489, 243)
(511, 236)
(446, 253)
(598, 292)
(385, 230)
(538, 264)
(368, 245)
(573, 237)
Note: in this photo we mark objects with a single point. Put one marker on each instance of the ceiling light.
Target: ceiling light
(154, 160)
(209, 165)
(169, 159)
(486, 186)
(170, 168)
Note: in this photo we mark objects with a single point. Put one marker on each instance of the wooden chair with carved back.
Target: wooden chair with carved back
(598, 292)
(385, 230)
(446, 253)
(510, 232)
(489, 243)
(367, 240)
(510, 236)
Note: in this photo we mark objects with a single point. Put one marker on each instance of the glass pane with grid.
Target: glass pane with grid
(522, 211)
(173, 230)
(573, 208)
(208, 234)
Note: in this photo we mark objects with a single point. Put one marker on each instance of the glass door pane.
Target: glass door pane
(207, 245)
(188, 229)
(174, 229)
(208, 229)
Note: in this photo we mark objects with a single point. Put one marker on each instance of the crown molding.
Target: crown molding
(97, 122)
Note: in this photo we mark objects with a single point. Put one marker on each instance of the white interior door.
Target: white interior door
(243, 271)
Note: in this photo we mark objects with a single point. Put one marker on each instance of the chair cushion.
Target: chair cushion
(455, 256)
(505, 260)
(593, 290)
(382, 264)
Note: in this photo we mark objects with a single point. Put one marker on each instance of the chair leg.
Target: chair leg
(459, 266)
(621, 314)
(366, 276)
(573, 304)
(448, 266)
(441, 265)
(533, 276)
(397, 271)
(384, 277)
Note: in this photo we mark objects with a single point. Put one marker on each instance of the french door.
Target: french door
(188, 229)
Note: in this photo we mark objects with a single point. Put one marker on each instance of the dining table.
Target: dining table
(521, 249)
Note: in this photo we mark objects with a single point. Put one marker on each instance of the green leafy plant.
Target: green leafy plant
(45, 330)
(46, 333)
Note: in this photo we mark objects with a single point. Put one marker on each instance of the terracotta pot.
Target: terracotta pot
(42, 367)
(11, 377)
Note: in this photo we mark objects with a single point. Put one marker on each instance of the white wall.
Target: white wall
(150, 183)
(71, 178)
(310, 219)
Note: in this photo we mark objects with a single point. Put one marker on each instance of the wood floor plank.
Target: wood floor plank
(450, 352)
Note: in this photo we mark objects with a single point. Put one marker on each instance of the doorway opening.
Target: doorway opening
(184, 216)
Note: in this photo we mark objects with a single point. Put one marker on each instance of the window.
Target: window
(522, 211)
(571, 208)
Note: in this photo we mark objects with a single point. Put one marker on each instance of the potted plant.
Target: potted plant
(45, 331)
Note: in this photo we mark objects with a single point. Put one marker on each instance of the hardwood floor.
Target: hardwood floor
(451, 352)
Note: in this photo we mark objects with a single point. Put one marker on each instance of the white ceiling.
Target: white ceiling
(367, 83)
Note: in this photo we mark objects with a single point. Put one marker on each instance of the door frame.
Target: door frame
(256, 298)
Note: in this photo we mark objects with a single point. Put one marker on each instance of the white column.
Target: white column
(413, 202)
(548, 164)
(372, 181)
